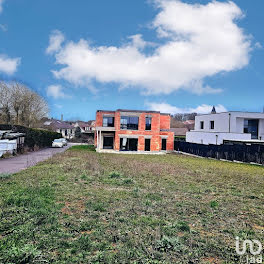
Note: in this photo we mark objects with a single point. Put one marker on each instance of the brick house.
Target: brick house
(133, 130)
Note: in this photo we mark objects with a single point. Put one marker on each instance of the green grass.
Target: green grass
(83, 147)
(85, 207)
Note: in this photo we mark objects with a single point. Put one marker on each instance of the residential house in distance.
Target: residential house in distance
(86, 127)
(67, 130)
(219, 128)
(179, 131)
(87, 130)
(133, 130)
(189, 124)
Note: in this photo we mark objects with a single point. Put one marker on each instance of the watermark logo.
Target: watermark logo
(255, 249)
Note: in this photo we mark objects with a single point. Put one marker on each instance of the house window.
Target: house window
(128, 144)
(251, 126)
(202, 125)
(212, 124)
(164, 144)
(108, 142)
(147, 144)
(148, 123)
(66, 132)
(129, 122)
(108, 121)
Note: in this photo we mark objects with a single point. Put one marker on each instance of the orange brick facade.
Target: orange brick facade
(160, 125)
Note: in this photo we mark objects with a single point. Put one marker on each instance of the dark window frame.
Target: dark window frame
(201, 124)
(163, 145)
(148, 121)
(147, 145)
(110, 121)
(212, 124)
(128, 122)
(106, 142)
(251, 126)
(131, 144)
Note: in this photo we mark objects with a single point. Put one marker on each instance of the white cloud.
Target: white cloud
(1, 5)
(55, 41)
(56, 91)
(8, 65)
(167, 108)
(198, 41)
(258, 45)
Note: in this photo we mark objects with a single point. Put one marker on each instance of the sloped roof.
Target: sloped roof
(179, 131)
(57, 124)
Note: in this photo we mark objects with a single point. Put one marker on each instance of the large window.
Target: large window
(202, 125)
(128, 144)
(148, 123)
(129, 122)
(108, 121)
(251, 126)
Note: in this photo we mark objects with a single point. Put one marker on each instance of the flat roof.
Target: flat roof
(247, 112)
(134, 111)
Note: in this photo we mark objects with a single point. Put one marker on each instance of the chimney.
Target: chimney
(213, 110)
(61, 117)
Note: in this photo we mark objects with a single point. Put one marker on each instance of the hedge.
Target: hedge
(34, 137)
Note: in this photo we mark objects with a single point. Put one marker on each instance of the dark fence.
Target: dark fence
(238, 152)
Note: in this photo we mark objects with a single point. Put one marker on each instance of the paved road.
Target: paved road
(21, 162)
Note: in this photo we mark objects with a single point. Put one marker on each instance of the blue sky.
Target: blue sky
(160, 55)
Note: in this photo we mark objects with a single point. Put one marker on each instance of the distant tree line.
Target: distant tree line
(21, 106)
(184, 116)
(178, 119)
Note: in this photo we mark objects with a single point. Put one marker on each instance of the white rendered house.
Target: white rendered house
(215, 128)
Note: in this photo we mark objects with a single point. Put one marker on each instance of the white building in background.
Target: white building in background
(215, 128)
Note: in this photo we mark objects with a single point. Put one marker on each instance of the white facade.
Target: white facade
(67, 133)
(234, 126)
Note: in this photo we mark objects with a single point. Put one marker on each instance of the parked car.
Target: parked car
(57, 143)
(65, 143)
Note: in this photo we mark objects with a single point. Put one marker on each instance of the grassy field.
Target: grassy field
(85, 207)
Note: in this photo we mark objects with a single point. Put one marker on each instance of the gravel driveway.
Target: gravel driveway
(21, 162)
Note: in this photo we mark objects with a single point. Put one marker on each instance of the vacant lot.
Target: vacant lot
(85, 207)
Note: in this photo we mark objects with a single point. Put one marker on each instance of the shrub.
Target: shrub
(169, 244)
(182, 226)
(4, 176)
(34, 137)
(128, 181)
(114, 174)
(214, 204)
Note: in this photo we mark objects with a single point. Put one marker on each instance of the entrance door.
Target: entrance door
(108, 142)
(164, 144)
(147, 144)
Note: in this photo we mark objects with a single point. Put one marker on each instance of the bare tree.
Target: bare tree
(33, 108)
(21, 105)
(5, 103)
(18, 92)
